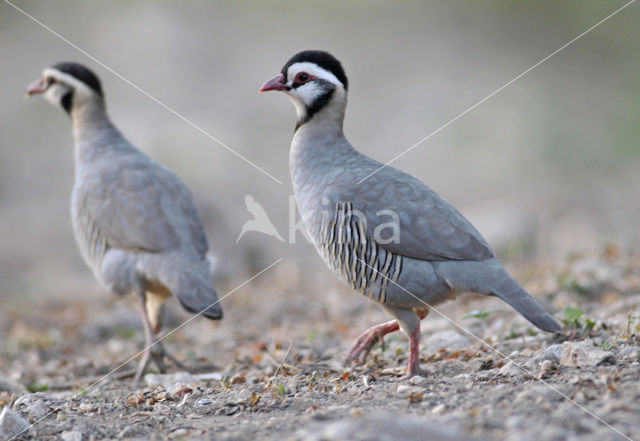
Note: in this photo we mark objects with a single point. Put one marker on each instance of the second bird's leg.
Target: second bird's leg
(153, 345)
(161, 353)
(148, 337)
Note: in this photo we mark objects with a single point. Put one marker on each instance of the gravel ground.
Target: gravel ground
(273, 368)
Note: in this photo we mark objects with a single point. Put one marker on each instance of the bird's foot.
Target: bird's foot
(177, 363)
(415, 372)
(365, 342)
(158, 354)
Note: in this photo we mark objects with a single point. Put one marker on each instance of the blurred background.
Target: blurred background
(546, 168)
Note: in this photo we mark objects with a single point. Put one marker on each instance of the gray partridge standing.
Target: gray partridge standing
(390, 236)
(134, 220)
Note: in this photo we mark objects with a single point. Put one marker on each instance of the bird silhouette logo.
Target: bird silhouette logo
(260, 222)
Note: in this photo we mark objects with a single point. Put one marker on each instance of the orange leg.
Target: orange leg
(413, 367)
(368, 338)
(153, 346)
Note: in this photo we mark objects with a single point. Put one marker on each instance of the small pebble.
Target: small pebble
(71, 435)
(404, 389)
(203, 402)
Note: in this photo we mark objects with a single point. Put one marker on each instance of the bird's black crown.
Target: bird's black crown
(81, 73)
(323, 59)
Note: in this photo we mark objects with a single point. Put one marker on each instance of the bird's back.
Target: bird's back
(124, 201)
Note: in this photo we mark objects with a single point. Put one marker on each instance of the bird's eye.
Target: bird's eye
(302, 77)
(50, 80)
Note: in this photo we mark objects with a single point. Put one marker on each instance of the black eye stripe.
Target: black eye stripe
(67, 101)
(326, 90)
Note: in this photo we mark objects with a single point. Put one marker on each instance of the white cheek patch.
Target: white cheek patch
(55, 92)
(308, 93)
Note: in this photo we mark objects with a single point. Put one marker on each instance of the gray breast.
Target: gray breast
(356, 258)
(91, 240)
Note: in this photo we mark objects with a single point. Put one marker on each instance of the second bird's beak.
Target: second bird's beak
(278, 83)
(38, 86)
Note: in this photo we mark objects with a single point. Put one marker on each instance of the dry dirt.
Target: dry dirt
(273, 368)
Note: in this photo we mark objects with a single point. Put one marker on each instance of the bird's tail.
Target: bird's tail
(192, 285)
(509, 290)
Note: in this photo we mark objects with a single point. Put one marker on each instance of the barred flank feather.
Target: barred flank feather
(359, 261)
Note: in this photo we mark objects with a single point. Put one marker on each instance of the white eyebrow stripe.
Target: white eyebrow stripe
(67, 79)
(313, 69)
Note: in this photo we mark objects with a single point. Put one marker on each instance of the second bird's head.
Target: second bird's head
(67, 85)
(315, 81)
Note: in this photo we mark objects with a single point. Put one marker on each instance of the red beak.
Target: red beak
(38, 86)
(275, 84)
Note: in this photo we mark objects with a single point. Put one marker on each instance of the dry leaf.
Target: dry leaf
(254, 398)
(238, 379)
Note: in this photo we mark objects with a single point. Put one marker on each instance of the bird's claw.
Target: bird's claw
(364, 343)
(158, 353)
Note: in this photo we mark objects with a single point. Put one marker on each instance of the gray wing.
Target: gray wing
(430, 228)
(179, 192)
(139, 205)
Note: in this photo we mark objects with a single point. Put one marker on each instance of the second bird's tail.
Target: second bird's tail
(191, 283)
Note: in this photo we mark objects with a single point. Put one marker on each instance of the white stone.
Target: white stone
(405, 389)
(552, 353)
(447, 339)
(11, 423)
(510, 369)
(168, 380)
(71, 435)
(418, 380)
(209, 376)
(584, 354)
